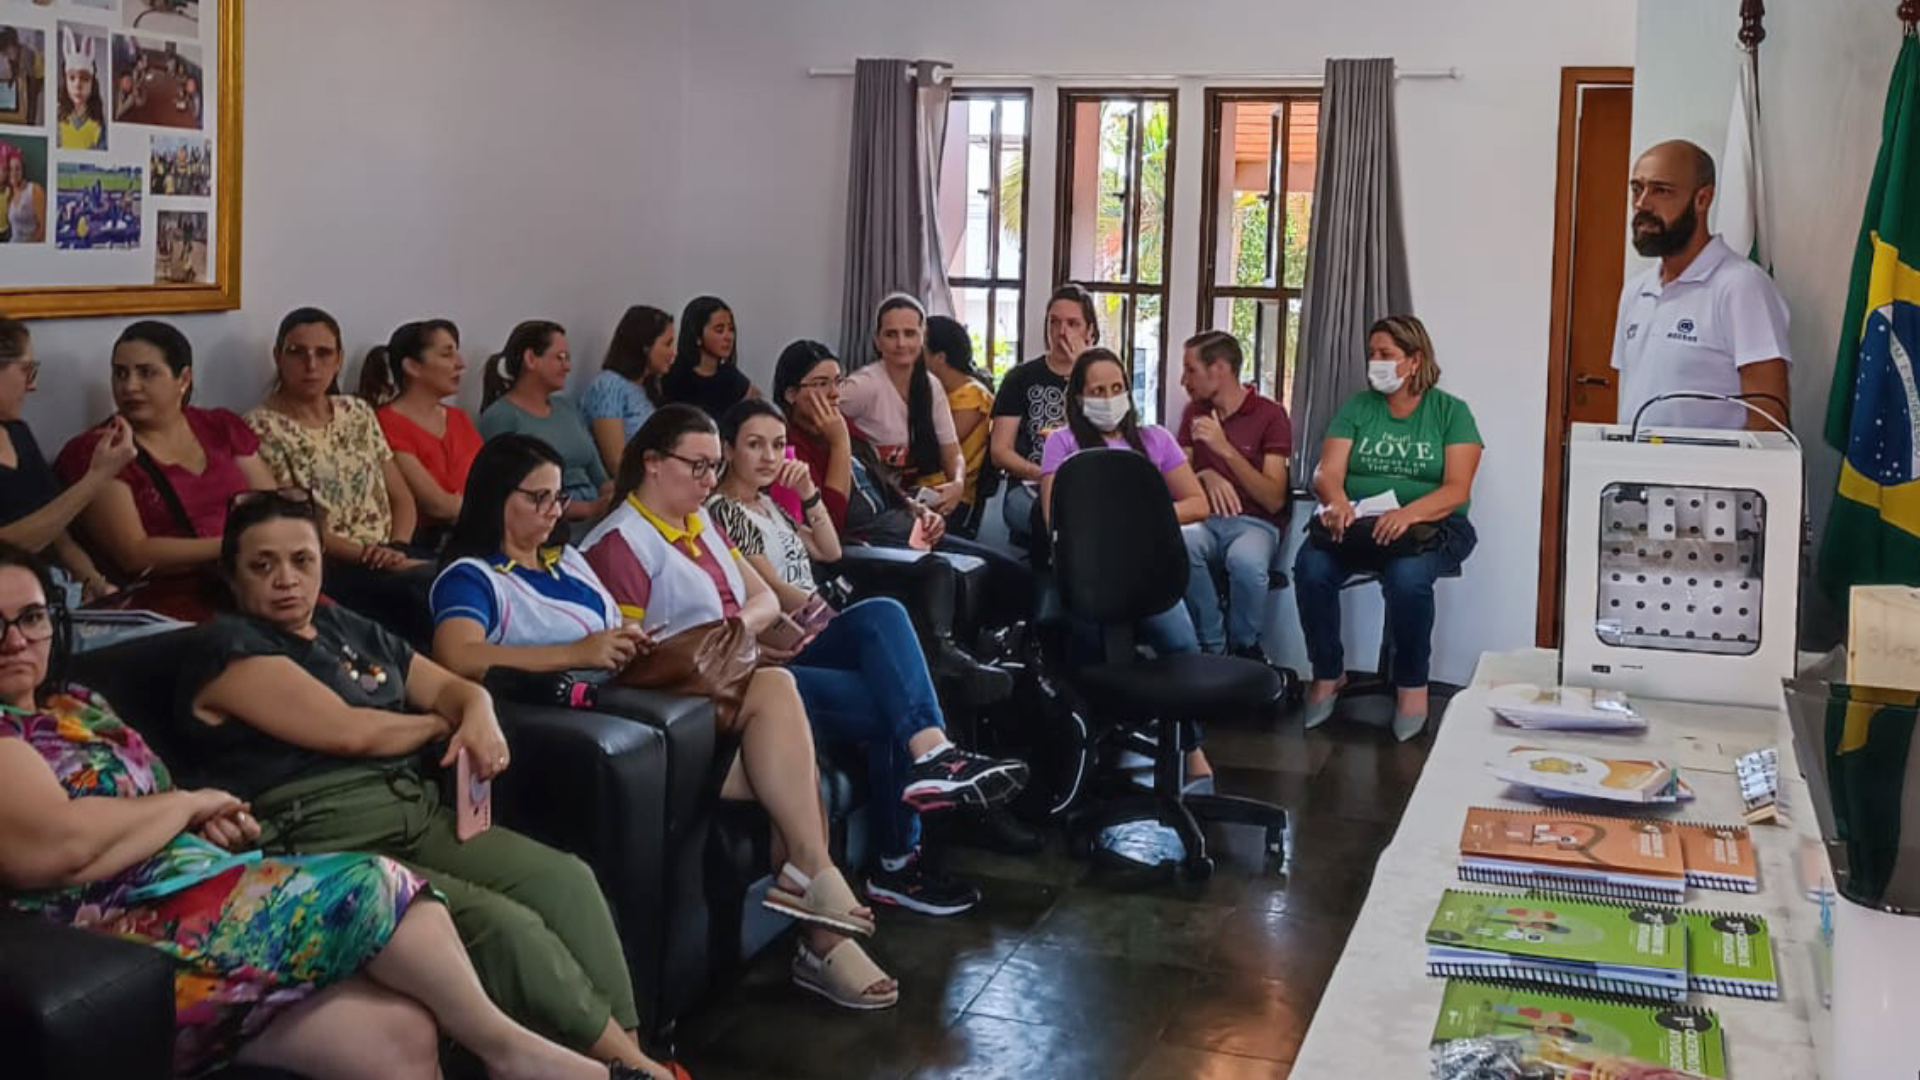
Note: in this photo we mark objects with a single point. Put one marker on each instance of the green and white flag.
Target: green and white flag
(1740, 203)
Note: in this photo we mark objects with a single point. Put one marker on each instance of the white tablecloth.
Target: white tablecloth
(1380, 1006)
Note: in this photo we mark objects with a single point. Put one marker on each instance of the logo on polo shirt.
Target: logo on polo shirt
(1683, 331)
(1632, 329)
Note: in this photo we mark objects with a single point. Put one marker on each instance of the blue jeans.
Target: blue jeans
(1246, 546)
(1169, 633)
(1406, 583)
(1016, 507)
(864, 680)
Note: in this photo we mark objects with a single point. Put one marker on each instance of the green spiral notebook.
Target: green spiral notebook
(1676, 1036)
(1632, 950)
(1730, 952)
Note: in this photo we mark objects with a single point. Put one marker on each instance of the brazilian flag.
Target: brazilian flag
(1873, 410)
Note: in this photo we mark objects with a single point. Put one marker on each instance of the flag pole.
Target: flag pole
(1753, 31)
(1910, 15)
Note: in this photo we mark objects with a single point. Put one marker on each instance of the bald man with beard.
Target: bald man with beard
(1706, 318)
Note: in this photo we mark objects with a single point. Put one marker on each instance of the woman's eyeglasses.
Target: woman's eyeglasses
(34, 623)
(296, 500)
(559, 500)
(701, 468)
(31, 367)
(825, 382)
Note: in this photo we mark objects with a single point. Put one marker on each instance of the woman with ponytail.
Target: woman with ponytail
(409, 379)
(903, 409)
(522, 393)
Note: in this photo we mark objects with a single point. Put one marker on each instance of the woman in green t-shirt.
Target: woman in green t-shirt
(1406, 438)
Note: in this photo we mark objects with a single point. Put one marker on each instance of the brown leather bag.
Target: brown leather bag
(713, 660)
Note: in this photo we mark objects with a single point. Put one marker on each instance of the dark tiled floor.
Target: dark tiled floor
(1076, 972)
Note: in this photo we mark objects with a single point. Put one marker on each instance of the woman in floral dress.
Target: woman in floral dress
(335, 965)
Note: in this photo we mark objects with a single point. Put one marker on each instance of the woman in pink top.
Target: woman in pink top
(903, 409)
(162, 516)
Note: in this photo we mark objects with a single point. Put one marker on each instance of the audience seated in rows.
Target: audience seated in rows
(409, 380)
(508, 599)
(316, 716)
(627, 390)
(1406, 436)
(706, 365)
(862, 677)
(524, 393)
(332, 964)
(36, 512)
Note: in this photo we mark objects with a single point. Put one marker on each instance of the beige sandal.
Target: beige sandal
(845, 976)
(823, 900)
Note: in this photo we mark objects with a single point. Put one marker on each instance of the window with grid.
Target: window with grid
(983, 219)
(1261, 157)
(1115, 194)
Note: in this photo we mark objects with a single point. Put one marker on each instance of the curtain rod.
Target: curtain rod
(943, 72)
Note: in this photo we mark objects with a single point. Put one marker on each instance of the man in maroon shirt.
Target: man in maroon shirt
(1238, 441)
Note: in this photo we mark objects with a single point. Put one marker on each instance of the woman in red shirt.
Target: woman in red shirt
(433, 442)
(160, 519)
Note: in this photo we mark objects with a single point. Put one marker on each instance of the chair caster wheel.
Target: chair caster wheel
(1198, 869)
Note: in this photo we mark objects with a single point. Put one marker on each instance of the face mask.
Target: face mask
(1383, 376)
(1106, 413)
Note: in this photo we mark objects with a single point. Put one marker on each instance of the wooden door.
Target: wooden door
(1589, 266)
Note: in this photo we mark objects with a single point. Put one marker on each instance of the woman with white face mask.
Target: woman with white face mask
(1100, 414)
(1410, 438)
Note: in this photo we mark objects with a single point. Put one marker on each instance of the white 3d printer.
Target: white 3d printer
(1683, 563)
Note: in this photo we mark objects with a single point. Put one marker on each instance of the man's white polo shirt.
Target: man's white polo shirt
(1694, 333)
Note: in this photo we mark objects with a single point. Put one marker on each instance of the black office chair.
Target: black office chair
(1118, 558)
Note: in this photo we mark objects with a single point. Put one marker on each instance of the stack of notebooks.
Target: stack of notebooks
(1645, 952)
(1569, 774)
(1674, 1036)
(1613, 858)
(1563, 708)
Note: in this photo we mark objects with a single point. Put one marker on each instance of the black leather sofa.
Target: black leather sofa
(625, 786)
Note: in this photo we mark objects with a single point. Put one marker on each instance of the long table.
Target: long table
(1380, 1006)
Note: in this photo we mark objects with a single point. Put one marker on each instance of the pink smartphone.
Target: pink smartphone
(786, 634)
(815, 614)
(473, 799)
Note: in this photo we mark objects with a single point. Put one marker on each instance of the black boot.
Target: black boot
(999, 829)
(978, 684)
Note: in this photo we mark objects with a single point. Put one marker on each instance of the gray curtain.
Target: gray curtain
(893, 233)
(1356, 249)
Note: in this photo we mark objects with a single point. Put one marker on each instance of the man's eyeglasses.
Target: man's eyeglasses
(31, 367)
(297, 500)
(559, 500)
(701, 468)
(35, 624)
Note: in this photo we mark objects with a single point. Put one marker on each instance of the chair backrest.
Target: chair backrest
(1117, 551)
(141, 680)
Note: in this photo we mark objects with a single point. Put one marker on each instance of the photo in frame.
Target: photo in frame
(120, 154)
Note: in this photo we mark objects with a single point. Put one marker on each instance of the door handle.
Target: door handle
(1592, 380)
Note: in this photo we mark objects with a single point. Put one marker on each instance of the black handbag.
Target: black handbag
(1359, 549)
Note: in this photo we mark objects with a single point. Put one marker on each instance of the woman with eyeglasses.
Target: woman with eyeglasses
(330, 444)
(524, 385)
(507, 599)
(319, 718)
(158, 521)
(331, 965)
(862, 677)
(409, 380)
(35, 511)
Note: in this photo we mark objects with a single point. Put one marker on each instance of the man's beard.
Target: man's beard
(1664, 239)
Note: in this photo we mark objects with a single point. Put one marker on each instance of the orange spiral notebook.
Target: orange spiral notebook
(1588, 854)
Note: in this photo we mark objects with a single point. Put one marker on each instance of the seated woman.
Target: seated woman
(34, 509)
(523, 395)
(331, 445)
(862, 677)
(1100, 414)
(969, 399)
(331, 965)
(159, 519)
(903, 409)
(627, 390)
(706, 370)
(506, 599)
(1435, 450)
(409, 380)
(308, 713)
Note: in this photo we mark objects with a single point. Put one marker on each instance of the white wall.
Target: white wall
(477, 159)
(1824, 70)
(764, 162)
